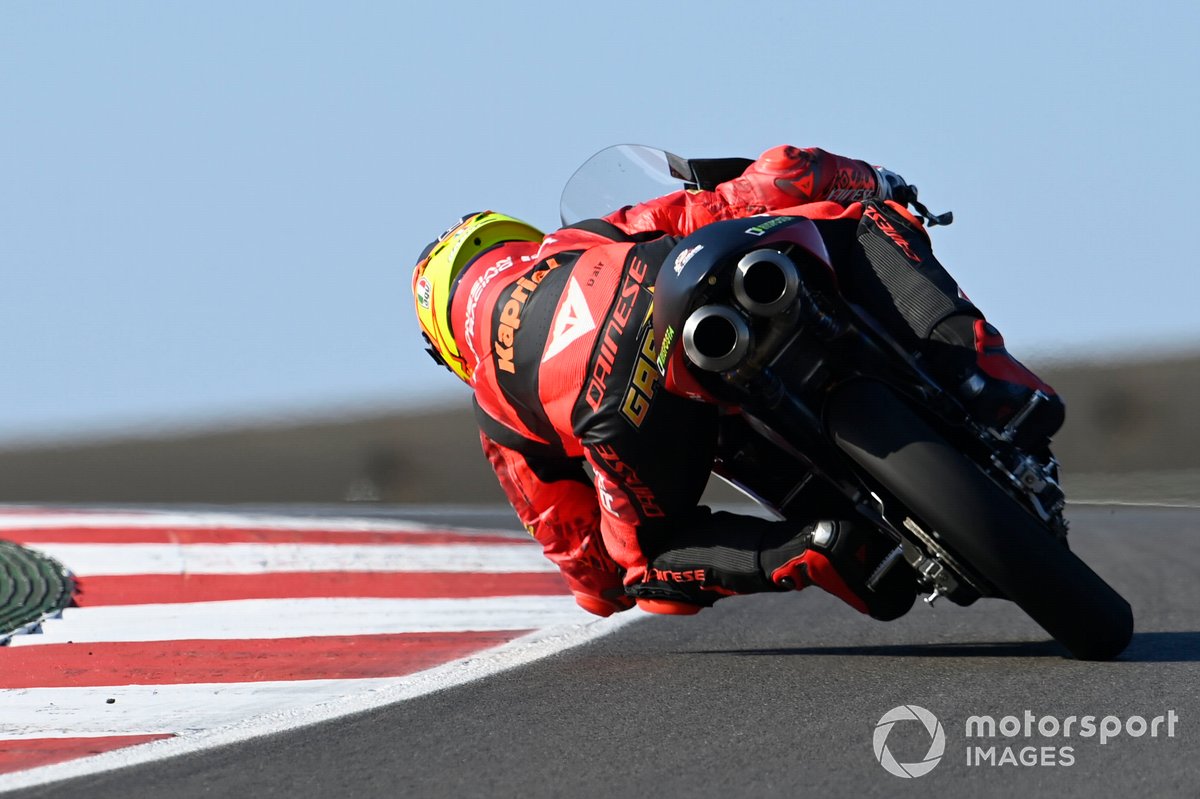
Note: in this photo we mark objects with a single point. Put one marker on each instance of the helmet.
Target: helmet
(436, 274)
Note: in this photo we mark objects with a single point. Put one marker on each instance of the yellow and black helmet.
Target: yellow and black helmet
(442, 262)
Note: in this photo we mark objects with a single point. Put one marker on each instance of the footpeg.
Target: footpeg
(1014, 424)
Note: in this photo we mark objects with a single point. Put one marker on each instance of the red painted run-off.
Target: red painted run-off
(180, 662)
(189, 660)
(144, 589)
(34, 752)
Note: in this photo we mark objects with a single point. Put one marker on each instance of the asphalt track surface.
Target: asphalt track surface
(767, 695)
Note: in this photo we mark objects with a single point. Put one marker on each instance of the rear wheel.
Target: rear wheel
(979, 521)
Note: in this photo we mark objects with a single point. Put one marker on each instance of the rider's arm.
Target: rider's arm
(782, 177)
(556, 502)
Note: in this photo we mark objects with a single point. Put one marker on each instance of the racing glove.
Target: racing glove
(782, 177)
(785, 176)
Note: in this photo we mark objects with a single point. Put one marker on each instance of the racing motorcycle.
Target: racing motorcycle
(816, 394)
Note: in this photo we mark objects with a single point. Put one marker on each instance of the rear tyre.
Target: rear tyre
(979, 521)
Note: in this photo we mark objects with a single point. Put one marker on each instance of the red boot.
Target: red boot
(840, 557)
(993, 384)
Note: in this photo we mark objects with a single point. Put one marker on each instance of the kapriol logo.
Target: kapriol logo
(909, 720)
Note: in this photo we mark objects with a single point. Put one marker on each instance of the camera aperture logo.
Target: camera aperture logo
(932, 728)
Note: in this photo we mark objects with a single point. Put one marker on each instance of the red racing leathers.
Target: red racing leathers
(558, 335)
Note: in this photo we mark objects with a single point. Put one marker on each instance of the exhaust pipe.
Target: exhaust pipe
(716, 338)
(766, 282)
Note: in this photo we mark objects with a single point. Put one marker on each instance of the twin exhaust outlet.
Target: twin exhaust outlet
(717, 338)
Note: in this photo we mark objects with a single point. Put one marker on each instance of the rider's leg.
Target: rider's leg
(892, 271)
(723, 554)
(971, 356)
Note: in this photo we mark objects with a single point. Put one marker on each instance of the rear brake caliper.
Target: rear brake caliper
(1038, 482)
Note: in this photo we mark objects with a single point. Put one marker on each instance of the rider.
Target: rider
(552, 332)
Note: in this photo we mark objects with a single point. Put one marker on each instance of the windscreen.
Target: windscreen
(621, 175)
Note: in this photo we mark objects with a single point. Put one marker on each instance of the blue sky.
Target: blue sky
(209, 211)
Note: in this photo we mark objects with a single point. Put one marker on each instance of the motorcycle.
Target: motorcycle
(816, 394)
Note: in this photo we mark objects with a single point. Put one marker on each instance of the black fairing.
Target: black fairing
(686, 282)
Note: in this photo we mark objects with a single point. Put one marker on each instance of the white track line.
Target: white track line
(116, 559)
(148, 709)
(385, 692)
(300, 618)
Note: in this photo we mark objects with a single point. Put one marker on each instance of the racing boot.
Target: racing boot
(723, 554)
(709, 556)
(969, 356)
(840, 557)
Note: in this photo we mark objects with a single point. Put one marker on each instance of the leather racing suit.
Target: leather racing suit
(564, 374)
